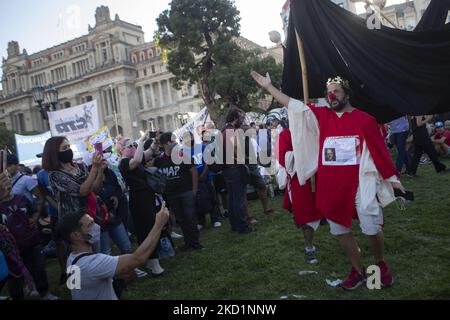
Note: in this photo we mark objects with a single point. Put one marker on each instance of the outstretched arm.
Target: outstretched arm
(266, 83)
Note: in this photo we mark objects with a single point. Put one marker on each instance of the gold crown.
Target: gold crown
(338, 80)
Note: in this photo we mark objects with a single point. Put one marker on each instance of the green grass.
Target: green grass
(265, 264)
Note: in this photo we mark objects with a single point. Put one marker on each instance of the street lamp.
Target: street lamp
(275, 37)
(51, 95)
(183, 117)
(45, 97)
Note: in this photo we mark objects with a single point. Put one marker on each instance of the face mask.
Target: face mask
(130, 152)
(66, 156)
(94, 234)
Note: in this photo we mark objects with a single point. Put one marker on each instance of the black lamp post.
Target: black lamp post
(45, 97)
(183, 118)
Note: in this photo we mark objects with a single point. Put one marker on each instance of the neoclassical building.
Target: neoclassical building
(112, 64)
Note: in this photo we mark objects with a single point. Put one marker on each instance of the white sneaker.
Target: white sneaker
(217, 224)
(3, 298)
(140, 273)
(154, 267)
(30, 293)
(199, 227)
(49, 296)
(175, 235)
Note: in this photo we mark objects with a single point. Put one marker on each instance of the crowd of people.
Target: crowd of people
(74, 209)
(71, 210)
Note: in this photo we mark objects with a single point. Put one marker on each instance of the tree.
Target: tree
(7, 139)
(199, 35)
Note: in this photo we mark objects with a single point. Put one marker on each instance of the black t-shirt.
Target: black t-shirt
(179, 177)
(420, 133)
(135, 179)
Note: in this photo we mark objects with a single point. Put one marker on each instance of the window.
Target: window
(79, 48)
(59, 74)
(140, 100)
(58, 55)
(37, 62)
(79, 68)
(184, 91)
(66, 105)
(153, 69)
(142, 55)
(13, 82)
(103, 52)
(148, 95)
(150, 53)
(145, 72)
(38, 80)
(144, 125)
(158, 52)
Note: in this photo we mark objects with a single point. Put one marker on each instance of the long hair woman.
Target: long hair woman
(71, 183)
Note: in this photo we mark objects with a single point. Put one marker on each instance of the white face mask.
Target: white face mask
(94, 234)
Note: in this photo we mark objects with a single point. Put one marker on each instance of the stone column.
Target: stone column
(160, 93)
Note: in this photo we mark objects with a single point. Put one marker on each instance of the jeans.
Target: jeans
(400, 144)
(120, 237)
(183, 206)
(237, 197)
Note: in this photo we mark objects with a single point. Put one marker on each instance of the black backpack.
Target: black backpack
(155, 180)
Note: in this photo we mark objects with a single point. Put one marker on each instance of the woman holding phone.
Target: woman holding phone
(142, 202)
(71, 182)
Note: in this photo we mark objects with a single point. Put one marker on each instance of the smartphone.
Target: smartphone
(3, 159)
(98, 147)
(152, 134)
(408, 195)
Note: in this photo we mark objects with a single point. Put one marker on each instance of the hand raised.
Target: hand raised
(162, 216)
(261, 80)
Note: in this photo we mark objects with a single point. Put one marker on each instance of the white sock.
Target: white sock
(154, 266)
(310, 249)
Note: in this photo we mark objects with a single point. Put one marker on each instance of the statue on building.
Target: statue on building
(102, 15)
(13, 49)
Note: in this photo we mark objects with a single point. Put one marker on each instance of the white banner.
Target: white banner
(76, 124)
(29, 146)
(200, 120)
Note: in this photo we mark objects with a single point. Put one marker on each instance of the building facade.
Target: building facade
(111, 64)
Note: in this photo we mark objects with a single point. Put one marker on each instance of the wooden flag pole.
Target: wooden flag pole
(301, 53)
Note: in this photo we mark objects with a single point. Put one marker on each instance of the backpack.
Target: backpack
(18, 223)
(98, 210)
(155, 180)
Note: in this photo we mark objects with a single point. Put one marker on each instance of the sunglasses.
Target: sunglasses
(131, 145)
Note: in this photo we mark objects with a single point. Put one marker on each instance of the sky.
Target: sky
(38, 25)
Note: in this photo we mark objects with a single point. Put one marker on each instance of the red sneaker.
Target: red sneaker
(386, 276)
(354, 280)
